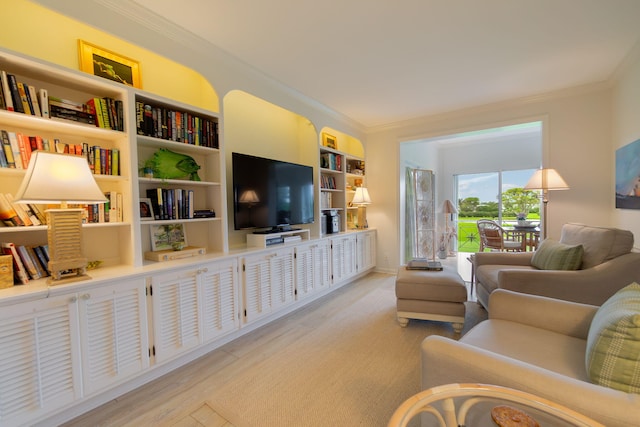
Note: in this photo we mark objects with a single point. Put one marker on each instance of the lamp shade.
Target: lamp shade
(361, 197)
(249, 196)
(448, 207)
(546, 179)
(58, 178)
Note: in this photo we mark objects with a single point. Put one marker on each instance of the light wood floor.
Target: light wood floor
(179, 398)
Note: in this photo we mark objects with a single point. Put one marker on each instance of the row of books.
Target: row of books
(17, 148)
(21, 97)
(24, 215)
(24, 98)
(18, 214)
(111, 211)
(171, 203)
(29, 262)
(325, 200)
(328, 182)
(178, 126)
(331, 161)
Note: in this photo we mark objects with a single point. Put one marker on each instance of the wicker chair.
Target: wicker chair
(494, 237)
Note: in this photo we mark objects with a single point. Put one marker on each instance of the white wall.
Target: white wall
(576, 141)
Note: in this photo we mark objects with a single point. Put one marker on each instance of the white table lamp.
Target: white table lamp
(53, 178)
(362, 199)
(546, 179)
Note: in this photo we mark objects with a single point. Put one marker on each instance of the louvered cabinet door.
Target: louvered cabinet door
(281, 274)
(219, 298)
(175, 313)
(256, 287)
(343, 258)
(114, 334)
(304, 267)
(366, 250)
(321, 265)
(40, 367)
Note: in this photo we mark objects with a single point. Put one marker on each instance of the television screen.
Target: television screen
(270, 193)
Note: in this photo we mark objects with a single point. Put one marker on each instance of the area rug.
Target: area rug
(350, 365)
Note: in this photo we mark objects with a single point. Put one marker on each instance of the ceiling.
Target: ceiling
(380, 61)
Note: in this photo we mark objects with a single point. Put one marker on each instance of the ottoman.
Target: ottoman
(431, 295)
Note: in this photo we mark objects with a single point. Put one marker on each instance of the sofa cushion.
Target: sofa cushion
(553, 255)
(613, 343)
(550, 350)
(600, 243)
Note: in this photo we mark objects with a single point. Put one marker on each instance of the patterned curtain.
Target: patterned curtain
(420, 214)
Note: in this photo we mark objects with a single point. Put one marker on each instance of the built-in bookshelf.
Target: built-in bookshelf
(193, 195)
(340, 174)
(36, 129)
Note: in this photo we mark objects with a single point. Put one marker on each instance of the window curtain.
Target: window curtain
(420, 214)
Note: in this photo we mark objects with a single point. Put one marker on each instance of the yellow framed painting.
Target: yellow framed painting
(329, 141)
(109, 65)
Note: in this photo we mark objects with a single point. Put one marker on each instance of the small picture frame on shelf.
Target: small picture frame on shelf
(146, 210)
(329, 141)
(109, 65)
(168, 236)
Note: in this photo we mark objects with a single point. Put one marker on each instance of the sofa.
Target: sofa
(606, 264)
(534, 344)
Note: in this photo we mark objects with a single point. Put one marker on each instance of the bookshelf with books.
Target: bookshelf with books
(170, 132)
(22, 132)
(340, 174)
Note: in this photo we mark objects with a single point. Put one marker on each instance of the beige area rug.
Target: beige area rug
(351, 365)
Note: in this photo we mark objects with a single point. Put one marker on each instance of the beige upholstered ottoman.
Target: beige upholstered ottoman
(431, 295)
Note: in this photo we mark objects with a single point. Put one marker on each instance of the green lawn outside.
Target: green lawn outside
(468, 240)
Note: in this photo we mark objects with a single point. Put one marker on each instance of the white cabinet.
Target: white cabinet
(176, 323)
(192, 306)
(366, 250)
(40, 368)
(114, 333)
(343, 257)
(268, 282)
(313, 267)
(219, 299)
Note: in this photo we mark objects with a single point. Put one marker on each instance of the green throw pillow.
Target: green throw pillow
(613, 343)
(552, 255)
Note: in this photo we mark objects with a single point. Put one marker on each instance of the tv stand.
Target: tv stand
(263, 239)
(277, 229)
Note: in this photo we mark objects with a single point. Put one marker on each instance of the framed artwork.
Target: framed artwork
(146, 210)
(109, 65)
(329, 141)
(628, 176)
(168, 236)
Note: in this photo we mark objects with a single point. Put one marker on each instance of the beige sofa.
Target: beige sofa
(607, 266)
(534, 344)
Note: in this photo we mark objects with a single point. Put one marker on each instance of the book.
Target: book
(8, 215)
(43, 95)
(42, 270)
(424, 264)
(33, 98)
(25, 149)
(8, 151)
(169, 254)
(26, 106)
(6, 90)
(19, 271)
(42, 260)
(15, 95)
(15, 148)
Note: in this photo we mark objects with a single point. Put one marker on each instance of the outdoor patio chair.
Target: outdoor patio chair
(494, 237)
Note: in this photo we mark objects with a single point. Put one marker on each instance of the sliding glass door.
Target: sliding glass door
(491, 195)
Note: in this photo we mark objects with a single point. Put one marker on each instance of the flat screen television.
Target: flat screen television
(270, 194)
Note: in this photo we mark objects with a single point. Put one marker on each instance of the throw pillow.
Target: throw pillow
(553, 255)
(613, 343)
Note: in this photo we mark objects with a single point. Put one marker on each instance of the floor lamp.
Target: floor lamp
(53, 178)
(546, 179)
